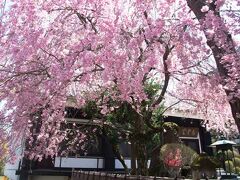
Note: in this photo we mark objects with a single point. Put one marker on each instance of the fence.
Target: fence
(90, 175)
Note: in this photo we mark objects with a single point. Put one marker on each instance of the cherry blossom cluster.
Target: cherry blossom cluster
(103, 49)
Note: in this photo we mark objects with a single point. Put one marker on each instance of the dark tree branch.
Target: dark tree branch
(166, 76)
(219, 52)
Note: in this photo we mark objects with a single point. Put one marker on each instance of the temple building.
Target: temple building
(99, 155)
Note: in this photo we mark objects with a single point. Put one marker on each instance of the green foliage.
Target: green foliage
(91, 110)
(236, 154)
(187, 154)
(230, 154)
(204, 162)
(237, 161)
(157, 115)
(175, 156)
(1, 167)
(234, 161)
(124, 123)
(123, 114)
(112, 135)
(229, 166)
(171, 126)
(151, 89)
(238, 170)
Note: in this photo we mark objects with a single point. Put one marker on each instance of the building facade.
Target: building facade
(100, 156)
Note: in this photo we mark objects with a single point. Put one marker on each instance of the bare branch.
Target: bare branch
(166, 76)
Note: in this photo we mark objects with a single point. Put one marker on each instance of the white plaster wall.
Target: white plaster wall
(79, 162)
(11, 168)
(118, 164)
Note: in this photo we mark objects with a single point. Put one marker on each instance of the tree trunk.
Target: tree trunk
(133, 159)
(138, 157)
(120, 157)
(219, 52)
(142, 168)
(138, 141)
(114, 148)
(141, 147)
(155, 165)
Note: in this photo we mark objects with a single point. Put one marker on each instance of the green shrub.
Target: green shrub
(187, 154)
(204, 162)
(175, 156)
(237, 161)
(230, 154)
(236, 154)
(229, 166)
(234, 161)
(238, 170)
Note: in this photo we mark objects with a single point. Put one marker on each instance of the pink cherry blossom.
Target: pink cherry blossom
(54, 54)
(205, 8)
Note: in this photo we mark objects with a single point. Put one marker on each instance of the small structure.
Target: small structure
(224, 146)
